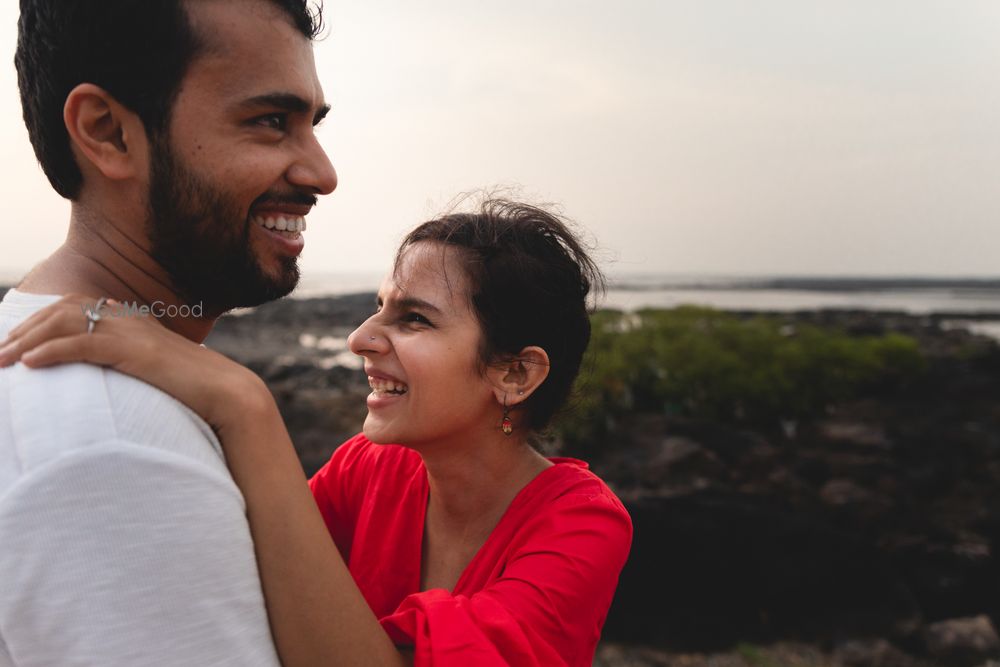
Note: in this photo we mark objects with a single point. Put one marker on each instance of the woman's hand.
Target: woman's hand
(220, 390)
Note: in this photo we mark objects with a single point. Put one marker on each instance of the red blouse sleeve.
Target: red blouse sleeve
(547, 607)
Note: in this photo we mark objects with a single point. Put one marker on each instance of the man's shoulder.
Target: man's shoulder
(54, 412)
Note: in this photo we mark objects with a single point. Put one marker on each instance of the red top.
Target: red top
(536, 593)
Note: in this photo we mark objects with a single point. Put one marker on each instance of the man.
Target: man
(182, 131)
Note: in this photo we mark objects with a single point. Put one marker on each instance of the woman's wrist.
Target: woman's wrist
(242, 398)
(259, 451)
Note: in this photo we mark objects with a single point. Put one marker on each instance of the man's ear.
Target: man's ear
(515, 380)
(105, 133)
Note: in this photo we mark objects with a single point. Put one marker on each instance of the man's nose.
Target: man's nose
(313, 170)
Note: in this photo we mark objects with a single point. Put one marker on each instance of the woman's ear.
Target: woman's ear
(104, 133)
(516, 379)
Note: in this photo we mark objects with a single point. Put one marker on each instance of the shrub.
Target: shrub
(708, 364)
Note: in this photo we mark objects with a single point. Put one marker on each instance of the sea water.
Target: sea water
(778, 294)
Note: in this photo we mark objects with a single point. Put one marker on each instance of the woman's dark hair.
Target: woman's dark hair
(529, 280)
(137, 50)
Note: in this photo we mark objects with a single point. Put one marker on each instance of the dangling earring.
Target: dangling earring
(506, 425)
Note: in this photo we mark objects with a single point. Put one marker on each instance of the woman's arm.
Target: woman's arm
(317, 614)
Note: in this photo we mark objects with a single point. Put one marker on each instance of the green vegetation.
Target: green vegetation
(752, 655)
(708, 364)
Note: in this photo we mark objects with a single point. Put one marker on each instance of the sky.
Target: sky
(729, 137)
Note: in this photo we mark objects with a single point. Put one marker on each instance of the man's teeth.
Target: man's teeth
(293, 224)
(380, 386)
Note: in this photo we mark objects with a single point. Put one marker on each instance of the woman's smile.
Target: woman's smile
(381, 386)
(385, 387)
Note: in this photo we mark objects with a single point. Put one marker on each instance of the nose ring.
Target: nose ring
(371, 338)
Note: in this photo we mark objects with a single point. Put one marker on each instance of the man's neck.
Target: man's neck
(102, 260)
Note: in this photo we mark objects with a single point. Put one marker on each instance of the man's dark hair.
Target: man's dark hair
(137, 50)
(529, 280)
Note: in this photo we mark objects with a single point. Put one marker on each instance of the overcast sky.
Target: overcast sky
(696, 136)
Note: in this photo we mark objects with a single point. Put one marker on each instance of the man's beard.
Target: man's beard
(202, 240)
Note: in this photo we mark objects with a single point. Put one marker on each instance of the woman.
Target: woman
(459, 543)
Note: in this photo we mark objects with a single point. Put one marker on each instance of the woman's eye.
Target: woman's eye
(415, 318)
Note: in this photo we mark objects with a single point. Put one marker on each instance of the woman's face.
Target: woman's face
(421, 354)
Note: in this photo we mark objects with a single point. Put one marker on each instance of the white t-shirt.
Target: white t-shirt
(123, 538)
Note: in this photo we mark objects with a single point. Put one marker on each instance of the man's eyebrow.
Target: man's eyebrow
(287, 102)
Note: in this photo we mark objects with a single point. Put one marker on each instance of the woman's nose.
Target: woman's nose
(366, 339)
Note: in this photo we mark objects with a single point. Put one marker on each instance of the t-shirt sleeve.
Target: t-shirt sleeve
(126, 555)
(548, 606)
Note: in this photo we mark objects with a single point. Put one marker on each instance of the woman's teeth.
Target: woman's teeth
(290, 226)
(380, 386)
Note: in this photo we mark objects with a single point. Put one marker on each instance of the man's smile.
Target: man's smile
(292, 224)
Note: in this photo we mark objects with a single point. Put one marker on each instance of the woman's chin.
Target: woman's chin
(378, 432)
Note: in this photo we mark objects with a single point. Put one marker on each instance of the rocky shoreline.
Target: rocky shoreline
(866, 537)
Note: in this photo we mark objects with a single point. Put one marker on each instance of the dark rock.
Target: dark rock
(839, 492)
(963, 641)
(854, 432)
(710, 567)
(871, 653)
(675, 449)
